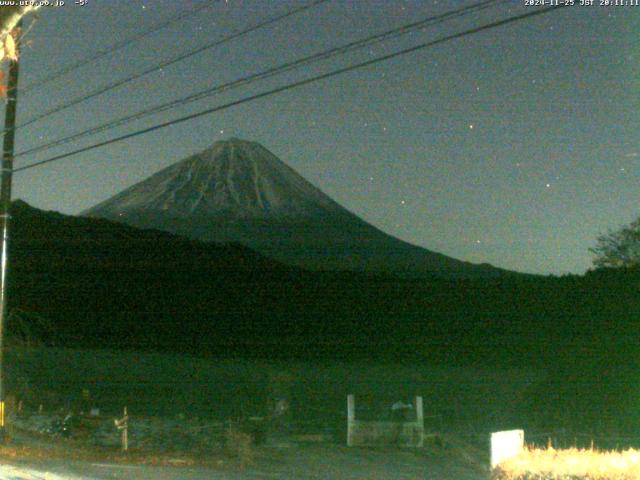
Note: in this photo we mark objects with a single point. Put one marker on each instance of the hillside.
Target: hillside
(238, 191)
(106, 285)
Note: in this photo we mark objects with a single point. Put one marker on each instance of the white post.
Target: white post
(505, 445)
(351, 418)
(125, 432)
(420, 420)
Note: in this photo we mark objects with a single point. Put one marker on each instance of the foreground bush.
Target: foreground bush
(571, 464)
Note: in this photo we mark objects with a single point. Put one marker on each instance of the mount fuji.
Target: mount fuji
(238, 191)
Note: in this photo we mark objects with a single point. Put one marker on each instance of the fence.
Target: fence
(371, 432)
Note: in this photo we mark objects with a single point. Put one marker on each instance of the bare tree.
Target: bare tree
(9, 18)
(620, 248)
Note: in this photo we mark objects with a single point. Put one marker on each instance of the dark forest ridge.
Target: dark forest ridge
(102, 283)
(238, 191)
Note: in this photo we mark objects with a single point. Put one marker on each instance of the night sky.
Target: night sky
(516, 146)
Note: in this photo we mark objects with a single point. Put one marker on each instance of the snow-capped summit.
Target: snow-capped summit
(238, 191)
(232, 178)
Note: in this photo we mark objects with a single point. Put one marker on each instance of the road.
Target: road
(310, 462)
(60, 470)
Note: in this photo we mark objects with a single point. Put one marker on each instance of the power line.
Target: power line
(354, 45)
(155, 68)
(113, 48)
(293, 85)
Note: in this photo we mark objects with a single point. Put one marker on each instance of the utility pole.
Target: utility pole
(5, 207)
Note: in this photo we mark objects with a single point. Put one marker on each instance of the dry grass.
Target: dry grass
(43, 448)
(570, 464)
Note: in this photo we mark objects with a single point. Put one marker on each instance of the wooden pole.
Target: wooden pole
(123, 425)
(5, 207)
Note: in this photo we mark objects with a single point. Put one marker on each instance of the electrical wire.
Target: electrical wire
(155, 68)
(288, 66)
(293, 85)
(113, 48)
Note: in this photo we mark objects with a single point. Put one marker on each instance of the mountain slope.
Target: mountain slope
(238, 191)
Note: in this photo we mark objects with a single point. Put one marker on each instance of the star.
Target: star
(402, 202)
(471, 126)
(221, 132)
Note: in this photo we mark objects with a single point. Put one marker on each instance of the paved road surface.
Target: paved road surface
(307, 463)
(89, 471)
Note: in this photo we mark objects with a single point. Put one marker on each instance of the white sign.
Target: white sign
(506, 445)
